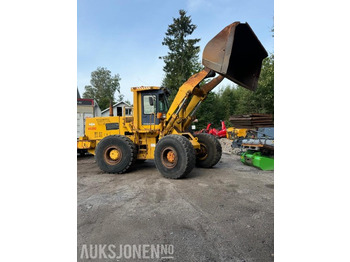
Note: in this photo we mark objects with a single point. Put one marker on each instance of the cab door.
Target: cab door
(149, 109)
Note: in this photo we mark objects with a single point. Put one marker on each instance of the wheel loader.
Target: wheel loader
(157, 129)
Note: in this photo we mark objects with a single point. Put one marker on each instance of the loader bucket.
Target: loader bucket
(237, 54)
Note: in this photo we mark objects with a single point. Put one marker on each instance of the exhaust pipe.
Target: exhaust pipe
(110, 108)
(237, 54)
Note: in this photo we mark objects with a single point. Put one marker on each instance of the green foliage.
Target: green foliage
(103, 87)
(207, 111)
(182, 59)
(262, 100)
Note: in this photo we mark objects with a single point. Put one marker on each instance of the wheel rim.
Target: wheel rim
(202, 153)
(169, 157)
(113, 155)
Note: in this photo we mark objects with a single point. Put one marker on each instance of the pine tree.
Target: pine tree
(182, 59)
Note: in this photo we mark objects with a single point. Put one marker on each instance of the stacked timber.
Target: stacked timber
(252, 121)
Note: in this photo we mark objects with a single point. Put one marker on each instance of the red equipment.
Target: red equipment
(218, 133)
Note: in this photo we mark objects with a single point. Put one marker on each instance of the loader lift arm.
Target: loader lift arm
(181, 112)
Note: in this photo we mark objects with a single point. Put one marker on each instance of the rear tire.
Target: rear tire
(210, 152)
(174, 156)
(115, 154)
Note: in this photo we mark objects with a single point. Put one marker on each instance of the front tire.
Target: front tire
(115, 154)
(210, 152)
(174, 156)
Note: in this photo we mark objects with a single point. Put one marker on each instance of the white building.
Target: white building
(118, 110)
(85, 108)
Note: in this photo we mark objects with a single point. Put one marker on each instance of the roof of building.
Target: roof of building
(115, 105)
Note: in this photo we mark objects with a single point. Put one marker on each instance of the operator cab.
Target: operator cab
(153, 101)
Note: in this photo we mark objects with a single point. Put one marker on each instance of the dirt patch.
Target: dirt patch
(224, 213)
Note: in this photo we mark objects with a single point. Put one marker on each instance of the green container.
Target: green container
(254, 158)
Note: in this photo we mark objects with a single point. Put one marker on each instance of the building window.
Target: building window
(128, 111)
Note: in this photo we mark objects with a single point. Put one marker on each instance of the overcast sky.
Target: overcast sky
(126, 36)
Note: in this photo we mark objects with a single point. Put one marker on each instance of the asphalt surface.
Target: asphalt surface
(220, 214)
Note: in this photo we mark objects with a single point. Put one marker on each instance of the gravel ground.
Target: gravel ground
(220, 214)
(226, 145)
(227, 148)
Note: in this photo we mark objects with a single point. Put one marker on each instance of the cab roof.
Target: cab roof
(143, 88)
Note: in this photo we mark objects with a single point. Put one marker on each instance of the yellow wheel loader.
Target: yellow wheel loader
(233, 133)
(157, 130)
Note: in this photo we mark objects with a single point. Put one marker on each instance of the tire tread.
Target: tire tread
(217, 152)
(190, 155)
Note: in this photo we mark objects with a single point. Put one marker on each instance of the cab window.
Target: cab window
(163, 103)
(147, 107)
